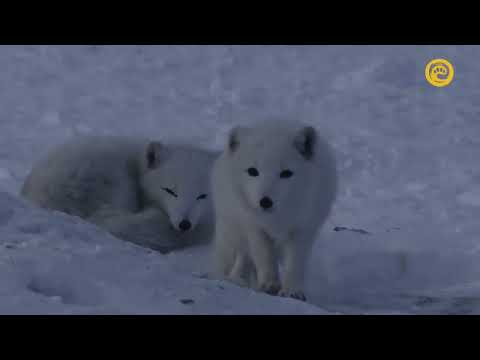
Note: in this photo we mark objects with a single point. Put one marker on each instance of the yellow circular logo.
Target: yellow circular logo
(439, 72)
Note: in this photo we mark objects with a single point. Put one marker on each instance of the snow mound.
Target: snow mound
(51, 263)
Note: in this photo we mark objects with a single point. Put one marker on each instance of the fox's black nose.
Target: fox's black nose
(185, 225)
(266, 202)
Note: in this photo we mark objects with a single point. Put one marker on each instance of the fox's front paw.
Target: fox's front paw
(269, 287)
(293, 293)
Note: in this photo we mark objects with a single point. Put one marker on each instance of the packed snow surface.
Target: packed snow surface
(404, 234)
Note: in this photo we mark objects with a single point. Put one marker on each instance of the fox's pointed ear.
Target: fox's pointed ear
(234, 138)
(155, 152)
(305, 142)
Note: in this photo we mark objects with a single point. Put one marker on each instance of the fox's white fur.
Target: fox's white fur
(270, 216)
(137, 189)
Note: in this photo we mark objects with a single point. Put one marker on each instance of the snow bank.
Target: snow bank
(51, 263)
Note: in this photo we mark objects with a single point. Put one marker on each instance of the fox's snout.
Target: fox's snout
(266, 203)
(185, 225)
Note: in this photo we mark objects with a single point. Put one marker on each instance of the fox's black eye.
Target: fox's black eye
(170, 191)
(252, 171)
(285, 174)
(203, 196)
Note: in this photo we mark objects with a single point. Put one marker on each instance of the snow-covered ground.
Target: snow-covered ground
(407, 152)
(55, 264)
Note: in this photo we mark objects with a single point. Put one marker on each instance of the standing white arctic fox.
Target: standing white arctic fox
(273, 188)
(151, 194)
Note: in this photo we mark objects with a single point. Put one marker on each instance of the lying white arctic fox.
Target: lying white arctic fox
(273, 188)
(153, 195)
